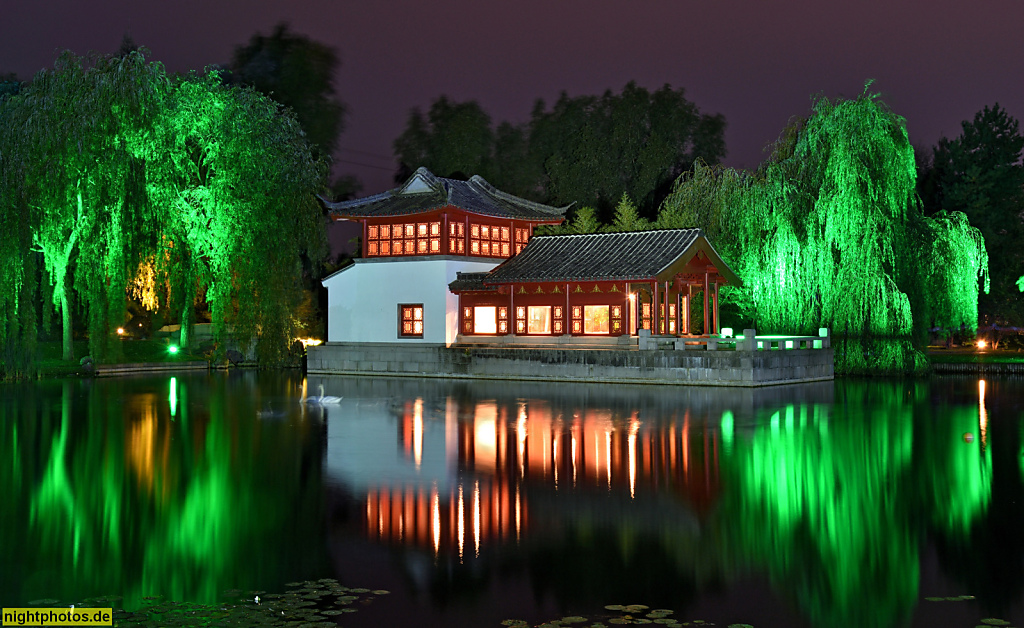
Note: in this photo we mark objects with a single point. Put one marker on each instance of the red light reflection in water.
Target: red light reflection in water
(503, 450)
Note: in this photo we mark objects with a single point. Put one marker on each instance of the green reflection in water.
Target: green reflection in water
(823, 508)
(961, 466)
(116, 498)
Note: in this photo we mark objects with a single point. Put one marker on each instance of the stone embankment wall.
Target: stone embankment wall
(697, 368)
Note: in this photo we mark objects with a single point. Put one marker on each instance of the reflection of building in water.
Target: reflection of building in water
(497, 452)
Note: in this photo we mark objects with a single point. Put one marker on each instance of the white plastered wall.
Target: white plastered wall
(363, 299)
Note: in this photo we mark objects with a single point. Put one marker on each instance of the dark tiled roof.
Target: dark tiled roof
(597, 256)
(469, 281)
(424, 192)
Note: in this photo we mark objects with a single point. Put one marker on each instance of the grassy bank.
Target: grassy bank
(48, 362)
(972, 355)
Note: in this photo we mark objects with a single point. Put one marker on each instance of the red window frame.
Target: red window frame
(410, 320)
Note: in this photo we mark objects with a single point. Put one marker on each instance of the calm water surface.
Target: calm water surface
(845, 504)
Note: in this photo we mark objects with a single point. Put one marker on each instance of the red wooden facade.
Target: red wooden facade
(660, 303)
(445, 231)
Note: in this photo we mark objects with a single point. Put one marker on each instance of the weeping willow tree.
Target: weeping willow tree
(74, 142)
(828, 233)
(121, 180)
(18, 290)
(238, 184)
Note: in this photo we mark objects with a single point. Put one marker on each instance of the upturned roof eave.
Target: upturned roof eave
(541, 220)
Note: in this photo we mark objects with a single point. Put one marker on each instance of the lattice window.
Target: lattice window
(645, 316)
(671, 319)
(577, 319)
(520, 319)
(502, 320)
(557, 323)
(457, 238)
(467, 320)
(616, 319)
(410, 320)
(522, 237)
(489, 240)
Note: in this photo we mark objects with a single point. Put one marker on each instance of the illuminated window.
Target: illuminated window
(502, 320)
(489, 240)
(520, 319)
(456, 238)
(616, 319)
(539, 319)
(522, 237)
(467, 320)
(421, 238)
(595, 319)
(645, 315)
(485, 320)
(577, 319)
(410, 320)
(558, 324)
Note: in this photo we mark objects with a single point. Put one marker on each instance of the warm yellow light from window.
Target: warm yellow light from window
(539, 318)
(310, 342)
(595, 319)
(485, 320)
(120, 331)
(982, 344)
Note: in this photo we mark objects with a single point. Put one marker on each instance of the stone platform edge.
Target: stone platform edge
(149, 367)
(664, 367)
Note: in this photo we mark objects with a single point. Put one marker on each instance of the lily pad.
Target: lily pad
(615, 607)
(380, 592)
(992, 621)
(573, 619)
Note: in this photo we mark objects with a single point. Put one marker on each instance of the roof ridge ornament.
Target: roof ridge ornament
(422, 181)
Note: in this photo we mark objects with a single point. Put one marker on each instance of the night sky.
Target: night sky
(758, 63)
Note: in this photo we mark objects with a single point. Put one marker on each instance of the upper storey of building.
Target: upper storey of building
(431, 215)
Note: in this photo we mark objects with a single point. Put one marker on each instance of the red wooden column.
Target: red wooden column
(718, 322)
(511, 309)
(655, 319)
(627, 314)
(689, 297)
(679, 313)
(567, 314)
(707, 317)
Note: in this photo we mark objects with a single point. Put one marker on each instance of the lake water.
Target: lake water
(853, 503)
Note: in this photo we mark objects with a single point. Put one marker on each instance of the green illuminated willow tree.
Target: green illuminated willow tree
(115, 174)
(829, 233)
(75, 140)
(238, 182)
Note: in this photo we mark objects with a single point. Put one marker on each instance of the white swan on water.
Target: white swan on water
(322, 400)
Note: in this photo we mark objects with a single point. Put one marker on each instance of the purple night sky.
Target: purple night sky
(935, 63)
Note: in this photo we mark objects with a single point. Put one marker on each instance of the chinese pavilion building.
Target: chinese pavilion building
(415, 240)
(446, 261)
(601, 284)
